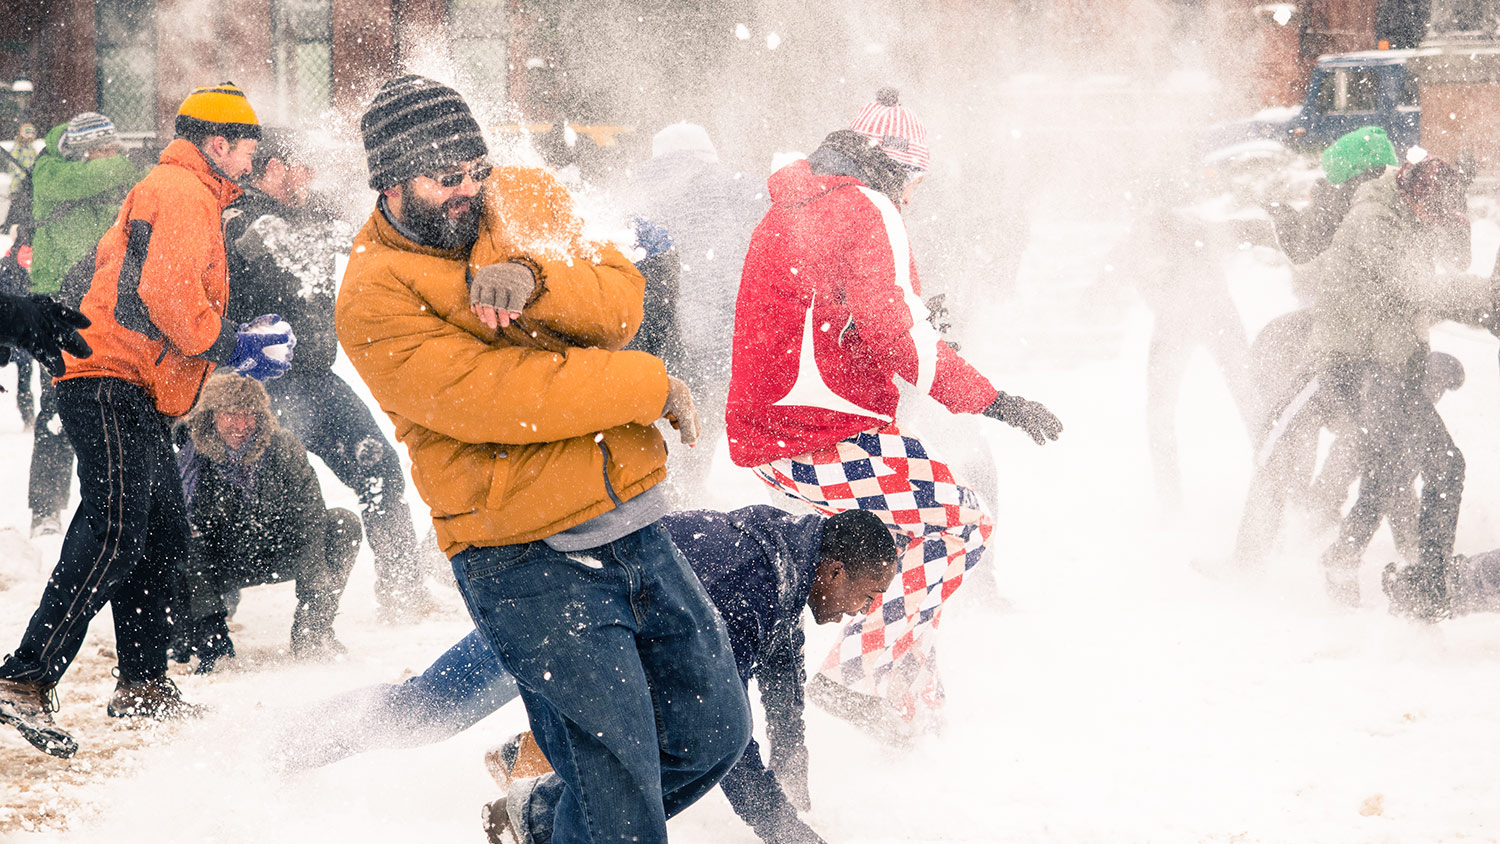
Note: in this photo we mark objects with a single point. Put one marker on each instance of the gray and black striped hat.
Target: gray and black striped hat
(415, 125)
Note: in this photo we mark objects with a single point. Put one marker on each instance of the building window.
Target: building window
(302, 47)
(126, 32)
(476, 38)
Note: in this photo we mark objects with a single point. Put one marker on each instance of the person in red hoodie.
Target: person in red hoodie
(155, 322)
(829, 314)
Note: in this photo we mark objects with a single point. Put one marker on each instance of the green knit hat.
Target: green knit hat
(1357, 152)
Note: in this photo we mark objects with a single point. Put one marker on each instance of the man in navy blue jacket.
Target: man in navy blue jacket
(760, 567)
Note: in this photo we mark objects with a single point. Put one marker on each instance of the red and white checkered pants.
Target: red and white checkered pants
(890, 651)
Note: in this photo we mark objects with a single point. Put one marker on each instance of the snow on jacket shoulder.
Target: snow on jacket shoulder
(828, 314)
(159, 289)
(507, 432)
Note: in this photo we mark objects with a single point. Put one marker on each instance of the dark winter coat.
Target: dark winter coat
(281, 261)
(73, 204)
(661, 331)
(757, 565)
(260, 512)
(829, 314)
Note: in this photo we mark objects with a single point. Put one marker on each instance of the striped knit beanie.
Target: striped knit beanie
(897, 130)
(86, 131)
(222, 110)
(415, 125)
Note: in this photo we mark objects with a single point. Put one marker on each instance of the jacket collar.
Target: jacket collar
(180, 153)
(392, 233)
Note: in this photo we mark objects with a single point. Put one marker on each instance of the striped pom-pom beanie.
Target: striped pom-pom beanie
(415, 125)
(87, 131)
(896, 129)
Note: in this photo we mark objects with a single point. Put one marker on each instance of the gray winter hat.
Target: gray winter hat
(87, 131)
(416, 125)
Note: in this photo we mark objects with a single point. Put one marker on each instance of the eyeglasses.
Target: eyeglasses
(478, 173)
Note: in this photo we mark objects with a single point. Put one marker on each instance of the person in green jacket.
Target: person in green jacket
(77, 186)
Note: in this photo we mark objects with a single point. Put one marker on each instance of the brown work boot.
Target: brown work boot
(158, 699)
(28, 707)
(517, 758)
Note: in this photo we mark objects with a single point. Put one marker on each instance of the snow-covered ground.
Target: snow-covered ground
(1114, 693)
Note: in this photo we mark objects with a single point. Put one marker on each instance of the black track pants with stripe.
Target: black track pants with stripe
(125, 542)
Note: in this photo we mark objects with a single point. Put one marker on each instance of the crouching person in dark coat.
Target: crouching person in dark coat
(258, 517)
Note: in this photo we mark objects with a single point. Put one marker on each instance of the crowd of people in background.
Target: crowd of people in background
(190, 316)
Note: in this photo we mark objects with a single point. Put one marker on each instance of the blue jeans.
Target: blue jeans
(627, 676)
(456, 692)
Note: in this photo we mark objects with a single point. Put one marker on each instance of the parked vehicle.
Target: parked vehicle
(1345, 92)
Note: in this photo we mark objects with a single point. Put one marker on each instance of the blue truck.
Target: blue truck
(1345, 92)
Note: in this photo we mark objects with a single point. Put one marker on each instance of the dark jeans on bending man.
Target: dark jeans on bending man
(334, 424)
(125, 541)
(628, 679)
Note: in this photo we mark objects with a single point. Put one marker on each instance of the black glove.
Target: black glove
(1031, 417)
(43, 328)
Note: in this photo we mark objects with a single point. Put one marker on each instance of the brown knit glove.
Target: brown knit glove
(680, 411)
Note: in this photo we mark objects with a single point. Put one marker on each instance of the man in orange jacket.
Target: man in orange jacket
(155, 308)
(531, 437)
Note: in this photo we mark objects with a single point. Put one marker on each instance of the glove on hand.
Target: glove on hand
(650, 237)
(263, 348)
(679, 410)
(43, 328)
(499, 292)
(1029, 416)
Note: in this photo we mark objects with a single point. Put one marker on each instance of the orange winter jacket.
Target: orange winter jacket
(508, 432)
(159, 289)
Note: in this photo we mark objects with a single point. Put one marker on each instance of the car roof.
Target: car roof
(1366, 58)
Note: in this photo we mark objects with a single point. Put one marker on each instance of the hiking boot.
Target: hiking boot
(158, 699)
(1419, 592)
(496, 822)
(517, 758)
(211, 642)
(28, 707)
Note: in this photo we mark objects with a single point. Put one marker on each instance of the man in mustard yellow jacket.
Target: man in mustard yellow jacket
(532, 439)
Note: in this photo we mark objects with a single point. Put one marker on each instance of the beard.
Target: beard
(436, 227)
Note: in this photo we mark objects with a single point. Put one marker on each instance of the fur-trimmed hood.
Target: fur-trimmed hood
(230, 391)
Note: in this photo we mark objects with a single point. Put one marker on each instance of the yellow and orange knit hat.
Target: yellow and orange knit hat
(217, 110)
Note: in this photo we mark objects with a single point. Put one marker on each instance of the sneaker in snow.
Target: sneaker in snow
(28, 707)
(158, 699)
(496, 821)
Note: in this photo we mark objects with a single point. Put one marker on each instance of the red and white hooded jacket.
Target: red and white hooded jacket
(829, 312)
